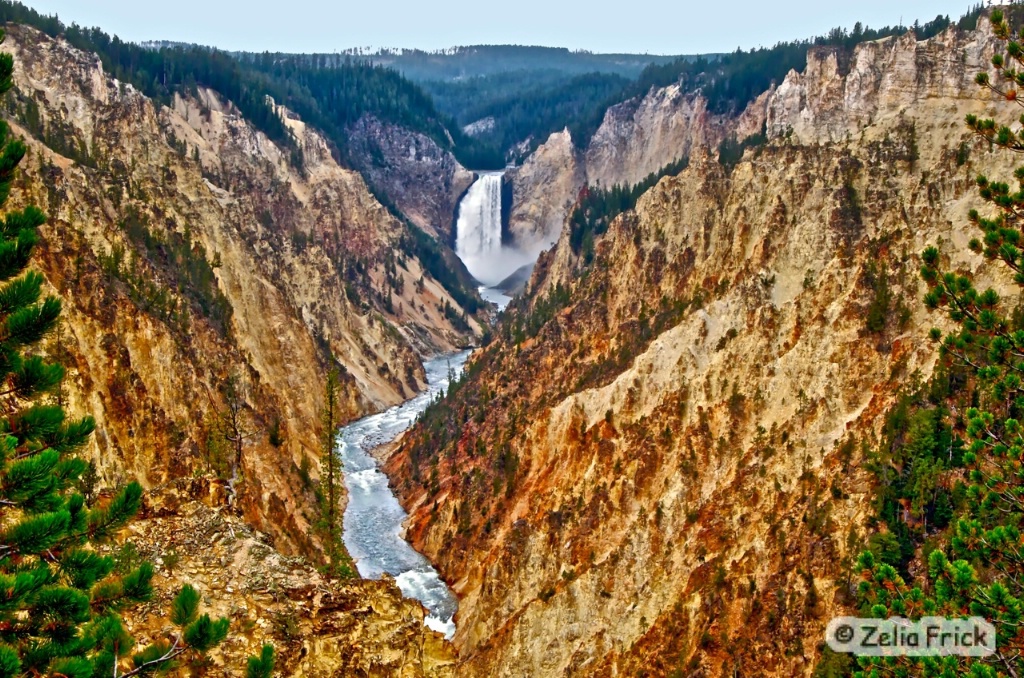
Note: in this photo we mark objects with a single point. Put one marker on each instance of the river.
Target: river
(373, 518)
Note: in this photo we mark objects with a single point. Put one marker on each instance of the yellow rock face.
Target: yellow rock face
(667, 476)
(283, 244)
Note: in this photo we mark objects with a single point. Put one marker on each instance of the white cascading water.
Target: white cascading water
(478, 233)
(373, 530)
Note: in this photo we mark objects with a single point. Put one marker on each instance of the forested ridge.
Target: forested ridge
(332, 94)
(160, 73)
(534, 114)
(469, 62)
(541, 90)
(327, 97)
(731, 81)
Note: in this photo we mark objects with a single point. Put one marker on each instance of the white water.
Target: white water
(478, 233)
(373, 518)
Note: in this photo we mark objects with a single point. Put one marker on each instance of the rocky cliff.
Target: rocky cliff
(191, 255)
(656, 466)
(636, 137)
(423, 180)
(544, 189)
(318, 627)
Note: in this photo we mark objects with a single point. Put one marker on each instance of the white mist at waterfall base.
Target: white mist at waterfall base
(478, 233)
(373, 517)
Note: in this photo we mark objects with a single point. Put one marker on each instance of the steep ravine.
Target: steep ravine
(660, 469)
(188, 250)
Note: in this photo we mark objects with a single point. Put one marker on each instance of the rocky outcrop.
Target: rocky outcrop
(480, 127)
(656, 469)
(189, 251)
(643, 135)
(544, 189)
(637, 137)
(828, 103)
(423, 180)
(318, 627)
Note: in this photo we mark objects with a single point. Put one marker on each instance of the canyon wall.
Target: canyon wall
(544, 189)
(423, 180)
(657, 466)
(191, 254)
(636, 137)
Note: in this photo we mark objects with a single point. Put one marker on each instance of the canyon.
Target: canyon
(655, 459)
(190, 254)
(656, 467)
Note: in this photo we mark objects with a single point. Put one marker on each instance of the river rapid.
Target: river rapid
(373, 517)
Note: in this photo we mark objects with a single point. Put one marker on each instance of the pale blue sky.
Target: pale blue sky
(654, 26)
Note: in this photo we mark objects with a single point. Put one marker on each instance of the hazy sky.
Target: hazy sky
(651, 26)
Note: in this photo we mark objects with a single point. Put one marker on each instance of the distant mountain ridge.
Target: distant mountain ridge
(483, 60)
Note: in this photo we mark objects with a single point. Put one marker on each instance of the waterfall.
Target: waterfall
(478, 233)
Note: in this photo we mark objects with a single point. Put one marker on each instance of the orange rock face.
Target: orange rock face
(663, 473)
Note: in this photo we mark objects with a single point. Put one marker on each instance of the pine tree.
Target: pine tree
(980, 572)
(229, 428)
(262, 666)
(330, 483)
(60, 601)
(236, 426)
